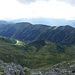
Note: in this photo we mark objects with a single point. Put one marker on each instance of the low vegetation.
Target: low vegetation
(35, 54)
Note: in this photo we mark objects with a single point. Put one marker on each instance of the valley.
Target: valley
(38, 47)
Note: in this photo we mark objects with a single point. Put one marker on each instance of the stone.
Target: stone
(27, 69)
(1, 73)
(36, 73)
(20, 69)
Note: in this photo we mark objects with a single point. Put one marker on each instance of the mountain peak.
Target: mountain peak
(24, 23)
(69, 26)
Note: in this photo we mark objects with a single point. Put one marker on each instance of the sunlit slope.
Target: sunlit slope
(35, 54)
(26, 31)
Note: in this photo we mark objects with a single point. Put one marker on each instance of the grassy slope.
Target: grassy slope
(38, 54)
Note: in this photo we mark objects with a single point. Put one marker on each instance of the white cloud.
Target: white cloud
(72, 2)
(52, 9)
(26, 1)
(30, 1)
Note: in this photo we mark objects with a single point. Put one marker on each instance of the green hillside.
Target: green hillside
(26, 31)
(37, 54)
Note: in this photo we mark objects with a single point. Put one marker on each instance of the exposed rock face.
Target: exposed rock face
(27, 69)
(37, 73)
(50, 73)
(58, 69)
(11, 68)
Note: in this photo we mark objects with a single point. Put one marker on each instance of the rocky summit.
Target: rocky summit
(12, 69)
(59, 69)
(16, 69)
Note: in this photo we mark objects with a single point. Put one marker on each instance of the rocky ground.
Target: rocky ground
(64, 68)
(12, 69)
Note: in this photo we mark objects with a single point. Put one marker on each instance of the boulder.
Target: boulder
(36, 73)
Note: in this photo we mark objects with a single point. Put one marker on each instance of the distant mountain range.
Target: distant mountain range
(47, 21)
(26, 31)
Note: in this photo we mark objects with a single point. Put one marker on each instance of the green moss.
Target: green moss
(27, 72)
(1, 69)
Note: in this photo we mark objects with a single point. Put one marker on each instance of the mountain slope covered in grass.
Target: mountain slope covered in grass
(36, 46)
(35, 54)
(28, 32)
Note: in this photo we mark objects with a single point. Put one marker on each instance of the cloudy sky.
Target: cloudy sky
(58, 9)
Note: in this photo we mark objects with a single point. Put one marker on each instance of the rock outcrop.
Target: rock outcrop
(12, 69)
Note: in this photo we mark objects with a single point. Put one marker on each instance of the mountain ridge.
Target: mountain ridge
(46, 21)
(28, 32)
